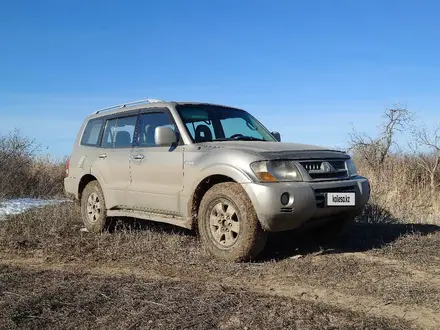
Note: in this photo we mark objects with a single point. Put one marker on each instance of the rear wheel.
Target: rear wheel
(228, 225)
(93, 210)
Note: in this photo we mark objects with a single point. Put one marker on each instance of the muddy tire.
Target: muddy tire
(93, 210)
(228, 225)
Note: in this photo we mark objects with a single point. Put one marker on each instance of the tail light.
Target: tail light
(67, 167)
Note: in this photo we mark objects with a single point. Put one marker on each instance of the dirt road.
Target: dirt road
(384, 276)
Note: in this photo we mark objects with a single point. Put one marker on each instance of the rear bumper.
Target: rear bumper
(306, 203)
(71, 188)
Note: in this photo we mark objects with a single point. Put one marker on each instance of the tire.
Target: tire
(94, 218)
(230, 234)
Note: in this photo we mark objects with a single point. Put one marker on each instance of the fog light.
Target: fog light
(285, 197)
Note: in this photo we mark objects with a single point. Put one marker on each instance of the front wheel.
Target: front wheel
(93, 210)
(228, 224)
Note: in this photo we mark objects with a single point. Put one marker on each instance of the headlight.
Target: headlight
(276, 170)
(351, 168)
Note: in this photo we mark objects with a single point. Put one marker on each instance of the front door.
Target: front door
(156, 172)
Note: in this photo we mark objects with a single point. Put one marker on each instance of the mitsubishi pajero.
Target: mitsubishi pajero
(211, 167)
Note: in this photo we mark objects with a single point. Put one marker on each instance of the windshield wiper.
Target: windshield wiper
(240, 138)
(248, 138)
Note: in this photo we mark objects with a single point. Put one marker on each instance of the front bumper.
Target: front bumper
(306, 204)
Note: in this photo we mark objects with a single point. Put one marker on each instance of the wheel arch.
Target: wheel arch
(200, 190)
(208, 177)
(85, 179)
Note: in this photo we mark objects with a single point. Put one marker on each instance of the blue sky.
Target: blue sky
(309, 69)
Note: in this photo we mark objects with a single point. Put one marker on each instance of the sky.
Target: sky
(311, 70)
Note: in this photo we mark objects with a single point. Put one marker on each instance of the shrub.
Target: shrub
(24, 173)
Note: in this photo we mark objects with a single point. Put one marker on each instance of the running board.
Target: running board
(158, 217)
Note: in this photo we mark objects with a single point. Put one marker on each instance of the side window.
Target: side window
(91, 133)
(108, 138)
(119, 132)
(125, 132)
(148, 124)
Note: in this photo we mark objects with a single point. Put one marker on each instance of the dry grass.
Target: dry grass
(55, 232)
(23, 174)
(63, 300)
(401, 190)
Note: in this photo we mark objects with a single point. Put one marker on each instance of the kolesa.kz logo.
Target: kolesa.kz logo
(341, 199)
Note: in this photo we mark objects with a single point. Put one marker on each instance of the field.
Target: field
(143, 275)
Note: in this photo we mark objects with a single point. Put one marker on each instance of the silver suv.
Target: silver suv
(209, 166)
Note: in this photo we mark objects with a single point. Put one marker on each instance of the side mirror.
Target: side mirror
(164, 136)
(277, 136)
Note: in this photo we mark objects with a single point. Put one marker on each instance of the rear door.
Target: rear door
(156, 172)
(113, 161)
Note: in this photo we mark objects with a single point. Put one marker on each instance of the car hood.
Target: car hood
(276, 150)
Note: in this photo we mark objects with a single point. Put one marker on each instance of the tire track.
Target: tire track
(274, 286)
(431, 276)
(422, 317)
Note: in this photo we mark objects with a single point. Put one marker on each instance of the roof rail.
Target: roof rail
(123, 105)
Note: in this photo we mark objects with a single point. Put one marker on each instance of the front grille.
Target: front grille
(342, 174)
(326, 169)
(286, 209)
(320, 193)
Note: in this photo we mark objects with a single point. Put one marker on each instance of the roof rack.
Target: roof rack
(118, 106)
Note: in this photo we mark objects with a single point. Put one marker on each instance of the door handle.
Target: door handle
(138, 157)
(102, 156)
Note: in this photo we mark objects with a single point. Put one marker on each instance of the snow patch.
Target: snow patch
(20, 205)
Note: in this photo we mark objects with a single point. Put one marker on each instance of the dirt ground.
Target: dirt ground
(152, 276)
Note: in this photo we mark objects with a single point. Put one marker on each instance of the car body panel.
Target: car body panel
(113, 174)
(157, 179)
(274, 216)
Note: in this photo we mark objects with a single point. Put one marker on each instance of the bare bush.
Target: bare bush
(403, 184)
(375, 150)
(429, 158)
(23, 173)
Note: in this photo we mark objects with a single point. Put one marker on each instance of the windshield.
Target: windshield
(218, 123)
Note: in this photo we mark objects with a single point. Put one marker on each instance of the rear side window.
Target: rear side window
(92, 132)
(119, 132)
